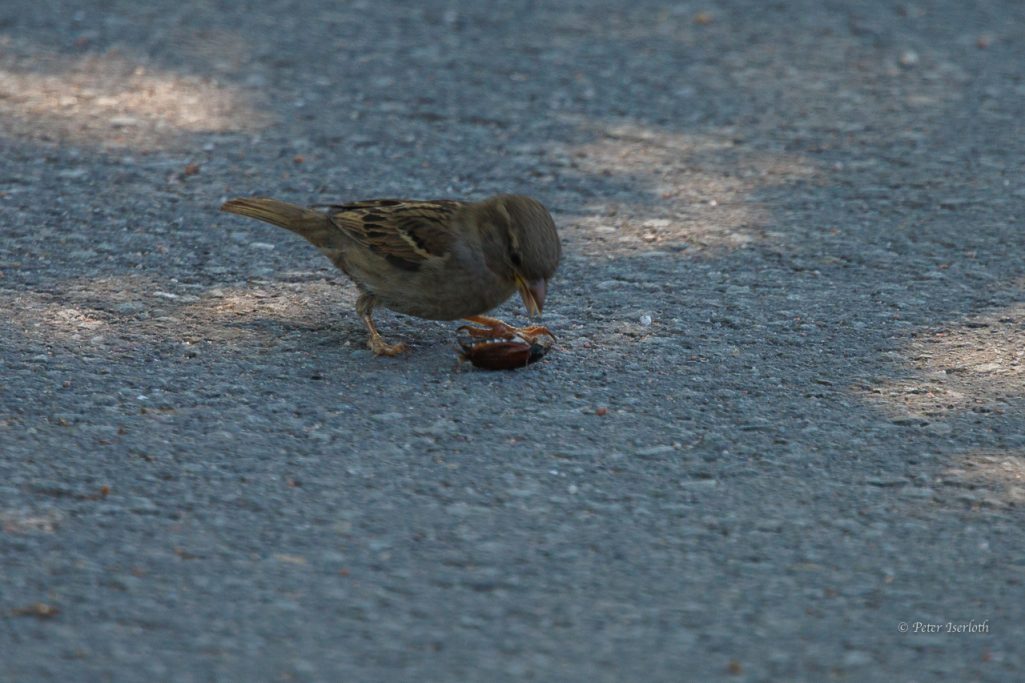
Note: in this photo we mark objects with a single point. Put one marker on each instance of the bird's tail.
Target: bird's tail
(313, 225)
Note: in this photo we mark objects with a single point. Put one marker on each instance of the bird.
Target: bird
(440, 259)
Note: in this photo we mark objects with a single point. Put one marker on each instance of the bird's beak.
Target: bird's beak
(533, 295)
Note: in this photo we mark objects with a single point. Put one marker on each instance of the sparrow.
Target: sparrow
(440, 259)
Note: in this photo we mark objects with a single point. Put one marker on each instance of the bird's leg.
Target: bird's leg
(377, 344)
(494, 328)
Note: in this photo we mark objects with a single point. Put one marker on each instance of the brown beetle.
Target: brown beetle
(507, 353)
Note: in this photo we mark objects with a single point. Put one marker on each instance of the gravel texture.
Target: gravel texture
(784, 416)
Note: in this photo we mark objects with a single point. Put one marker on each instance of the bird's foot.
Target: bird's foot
(376, 342)
(382, 348)
(496, 329)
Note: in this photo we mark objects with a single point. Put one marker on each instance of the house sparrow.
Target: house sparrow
(438, 259)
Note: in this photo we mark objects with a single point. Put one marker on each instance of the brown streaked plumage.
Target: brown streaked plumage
(438, 259)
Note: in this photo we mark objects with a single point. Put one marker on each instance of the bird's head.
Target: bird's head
(528, 244)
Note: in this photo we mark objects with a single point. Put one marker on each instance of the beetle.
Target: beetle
(503, 354)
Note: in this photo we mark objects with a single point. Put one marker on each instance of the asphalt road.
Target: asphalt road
(818, 436)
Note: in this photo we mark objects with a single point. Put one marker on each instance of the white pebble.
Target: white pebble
(645, 319)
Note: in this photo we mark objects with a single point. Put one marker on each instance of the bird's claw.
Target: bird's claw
(382, 348)
(501, 330)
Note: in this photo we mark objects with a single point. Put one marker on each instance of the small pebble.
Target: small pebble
(939, 428)
(908, 58)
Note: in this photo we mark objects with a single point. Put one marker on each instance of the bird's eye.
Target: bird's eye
(515, 258)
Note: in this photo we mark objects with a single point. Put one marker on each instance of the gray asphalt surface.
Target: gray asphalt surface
(820, 434)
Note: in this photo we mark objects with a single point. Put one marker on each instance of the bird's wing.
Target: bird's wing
(407, 233)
